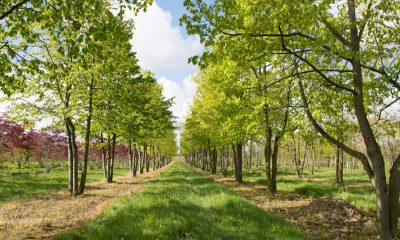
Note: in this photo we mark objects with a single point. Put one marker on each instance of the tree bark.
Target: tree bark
(74, 157)
(87, 138)
(274, 169)
(239, 164)
(214, 161)
(339, 166)
(393, 195)
(147, 159)
(114, 138)
(267, 155)
(70, 159)
(141, 161)
(130, 156)
(234, 155)
(109, 179)
(135, 160)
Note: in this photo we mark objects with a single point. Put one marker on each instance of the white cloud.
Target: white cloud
(161, 47)
(182, 93)
(158, 43)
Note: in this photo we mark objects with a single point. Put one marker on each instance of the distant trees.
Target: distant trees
(24, 146)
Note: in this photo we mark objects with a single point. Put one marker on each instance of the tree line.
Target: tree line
(278, 71)
(49, 148)
(72, 62)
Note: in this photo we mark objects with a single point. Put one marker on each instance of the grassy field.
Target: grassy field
(356, 189)
(182, 204)
(26, 182)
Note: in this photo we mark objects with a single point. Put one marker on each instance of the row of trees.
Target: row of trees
(49, 147)
(272, 69)
(22, 146)
(72, 61)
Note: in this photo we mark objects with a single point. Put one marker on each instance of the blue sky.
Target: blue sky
(163, 47)
(175, 7)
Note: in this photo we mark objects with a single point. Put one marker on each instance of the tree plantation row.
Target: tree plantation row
(72, 62)
(295, 77)
(302, 154)
(20, 148)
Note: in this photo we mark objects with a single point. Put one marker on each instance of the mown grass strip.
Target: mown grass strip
(27, 184)
(182, 204)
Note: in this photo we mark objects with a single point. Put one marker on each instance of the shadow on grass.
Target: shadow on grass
(29, 184)
(181, 204)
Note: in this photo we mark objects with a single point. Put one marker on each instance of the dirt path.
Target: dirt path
(323, 218)
(48, 215)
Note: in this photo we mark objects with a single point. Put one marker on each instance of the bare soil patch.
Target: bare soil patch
(43, 217)
(321, 218)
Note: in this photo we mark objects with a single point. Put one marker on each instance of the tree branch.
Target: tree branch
(12, 9)
(326, 78)
(383, 109)
(362, 27)
(359, 155)
(335, 32)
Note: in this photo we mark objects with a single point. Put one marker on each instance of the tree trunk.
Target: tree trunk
(70, 159)
(130, 156)
(239, 164)
(214, 161)
(87, 138)
(135, 160)
(103, 156)
(158, 156)
(274, 169)
(147, 159)
(235, 160)
(109, 179)
(221, 156)
(339, 166)
(393, 195)
(312, 158)
(267, 155)
(141, 161)
(203, 160)
(373, 149)
(74, 157)
(251, 154)
(114, 138)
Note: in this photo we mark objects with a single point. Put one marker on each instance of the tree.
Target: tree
(24, 23)
(341, 46)
(82, 56)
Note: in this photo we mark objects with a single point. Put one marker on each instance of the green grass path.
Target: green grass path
(29, 184)
(182, 204)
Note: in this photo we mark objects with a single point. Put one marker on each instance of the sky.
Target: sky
(163, 47)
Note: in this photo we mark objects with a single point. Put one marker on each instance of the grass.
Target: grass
(182, 204)
(25, 182)
(356, 189)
